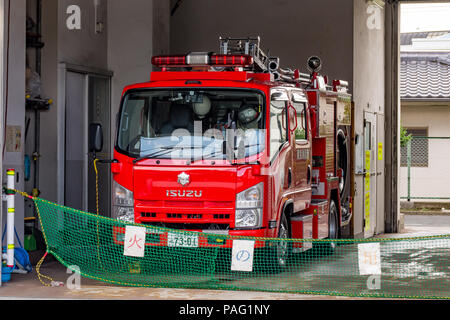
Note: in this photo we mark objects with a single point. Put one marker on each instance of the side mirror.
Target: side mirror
(293, 114)
(279, 96)
(95, 138)
(303, 117)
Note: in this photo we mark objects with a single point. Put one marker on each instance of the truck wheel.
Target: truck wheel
(283, 248)
(273, 259)
(327, 248)
(333, 229)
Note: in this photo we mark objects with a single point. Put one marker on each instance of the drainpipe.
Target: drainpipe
(37, 127)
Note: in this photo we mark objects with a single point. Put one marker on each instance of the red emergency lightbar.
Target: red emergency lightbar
(203, 59)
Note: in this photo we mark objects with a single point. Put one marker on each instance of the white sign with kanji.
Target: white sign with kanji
(242, 255)
(134, 244)
(369, 258)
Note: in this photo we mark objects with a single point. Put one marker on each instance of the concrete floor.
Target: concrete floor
(28, 286)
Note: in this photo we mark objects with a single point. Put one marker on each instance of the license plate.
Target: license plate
(182, 240)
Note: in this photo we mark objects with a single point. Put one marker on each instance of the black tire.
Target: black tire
(274, 259)
(329, 247)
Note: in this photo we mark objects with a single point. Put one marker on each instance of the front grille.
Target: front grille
(221, 216)
(183, 216)
(174, 216)
(148, 214)
(194, 216)
(189, 226)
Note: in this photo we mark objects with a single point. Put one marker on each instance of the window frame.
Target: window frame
(117, 147)
(414, 162)
(299, 97)
(287, 100)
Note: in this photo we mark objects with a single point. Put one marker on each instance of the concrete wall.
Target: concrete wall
(161, 27)
(368, 92)
(2, 82)
(49, 120)
(430, 181)
(292, 30)
(130, 38)
(124, 47)
(15, 103)
(83, 47)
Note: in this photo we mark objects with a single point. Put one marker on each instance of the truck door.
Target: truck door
(280, 147)
(370, 172)
(302, 152)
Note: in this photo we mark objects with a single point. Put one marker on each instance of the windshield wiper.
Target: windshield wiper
(202, 157)
(161, 152)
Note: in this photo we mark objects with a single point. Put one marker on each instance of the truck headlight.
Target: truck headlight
(249, 207)
(123, 204)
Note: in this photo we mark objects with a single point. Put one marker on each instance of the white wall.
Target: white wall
(368, 90)
(16, 99)
(431, 181)
(83, 47)
(130, 39)
(49, 119)
(2, 75)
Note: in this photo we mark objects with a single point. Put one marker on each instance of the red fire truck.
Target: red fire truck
(231, 143)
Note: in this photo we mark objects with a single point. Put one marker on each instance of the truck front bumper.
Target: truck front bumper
(205, 239)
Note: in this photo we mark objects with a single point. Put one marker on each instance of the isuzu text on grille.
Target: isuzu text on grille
(184, 193)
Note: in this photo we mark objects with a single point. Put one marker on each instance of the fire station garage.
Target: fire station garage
(64, 64)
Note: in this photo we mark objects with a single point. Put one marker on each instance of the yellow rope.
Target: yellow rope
(98, 213)
(40, 275)
(38, 265)
(96, 188)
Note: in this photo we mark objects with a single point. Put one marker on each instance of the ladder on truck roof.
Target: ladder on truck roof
(262, 62)
(248, 46)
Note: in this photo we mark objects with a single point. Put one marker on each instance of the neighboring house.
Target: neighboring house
(425, 112)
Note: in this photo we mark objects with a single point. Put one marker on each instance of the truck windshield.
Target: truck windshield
(192, 124)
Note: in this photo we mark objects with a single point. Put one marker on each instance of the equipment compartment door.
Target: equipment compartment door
(370, 170)
(302, 157)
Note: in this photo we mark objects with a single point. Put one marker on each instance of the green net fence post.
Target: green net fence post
(408, 160)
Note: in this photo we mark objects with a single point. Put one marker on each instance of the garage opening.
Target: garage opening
(425, 110)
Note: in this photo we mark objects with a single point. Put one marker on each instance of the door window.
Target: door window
(301, 132)
(278, 121)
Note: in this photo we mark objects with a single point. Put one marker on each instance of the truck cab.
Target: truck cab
(217, 156)
(219, 148)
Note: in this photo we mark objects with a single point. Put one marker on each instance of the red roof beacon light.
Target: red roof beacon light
(165, 61)
(203, 59)
(228, 60)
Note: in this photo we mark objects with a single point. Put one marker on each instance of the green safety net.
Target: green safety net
(404, 268)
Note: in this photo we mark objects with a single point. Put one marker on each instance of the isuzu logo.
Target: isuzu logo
(184, 193)
(183, 179)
